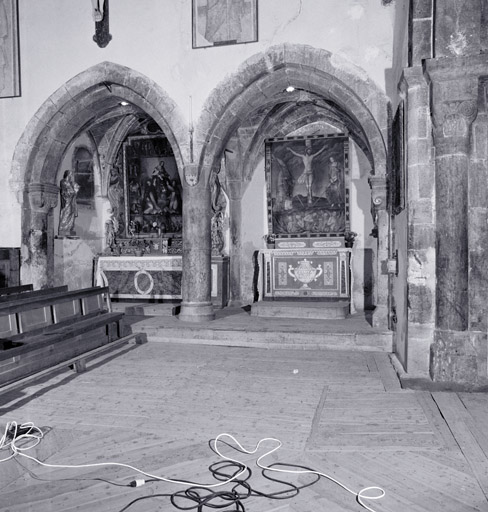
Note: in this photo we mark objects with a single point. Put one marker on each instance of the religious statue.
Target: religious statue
(69, 208)
(110, 238)
(115, 193)
(218, 208)
(307, 175)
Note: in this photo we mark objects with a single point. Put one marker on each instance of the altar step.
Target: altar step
(145, 308)
(304, 310)
(237, 327)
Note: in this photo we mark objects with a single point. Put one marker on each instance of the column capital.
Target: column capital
(454, 101)
(42, 196)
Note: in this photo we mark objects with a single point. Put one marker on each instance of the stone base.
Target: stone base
(295, 309)
(196, 312)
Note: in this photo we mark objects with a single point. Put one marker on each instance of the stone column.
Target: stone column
(454, 94)
(196, 285)
(235, 191)
(421, 229)
(40, 258)
(381, 222)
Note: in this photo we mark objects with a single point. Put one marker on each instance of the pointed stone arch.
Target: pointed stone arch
(261, 82)
(62, 117)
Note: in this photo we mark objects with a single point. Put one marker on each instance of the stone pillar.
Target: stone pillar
(235, 190)
(40, 255)
(196, 285)
(454, 95)
(381, 223)
(421, 229)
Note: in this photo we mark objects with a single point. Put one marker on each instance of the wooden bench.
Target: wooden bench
(9, 290)
(43, 331)
(29, 294)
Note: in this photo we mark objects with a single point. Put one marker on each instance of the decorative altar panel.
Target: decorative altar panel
(156, 277)
(310, 273)
(146, 277)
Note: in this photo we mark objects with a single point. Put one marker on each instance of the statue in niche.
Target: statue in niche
(218, 209)
(115, 194)
(69, 209)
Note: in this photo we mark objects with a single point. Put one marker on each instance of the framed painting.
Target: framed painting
(9, 49)
(398, 161)
(223, 22)
(152, 187)
(307, 186)
(84, 175)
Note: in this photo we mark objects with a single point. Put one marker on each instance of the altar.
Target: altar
(156, 277)
(300, 269)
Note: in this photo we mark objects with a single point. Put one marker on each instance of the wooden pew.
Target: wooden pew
(28, 294)
(44, 331)
(9, 290)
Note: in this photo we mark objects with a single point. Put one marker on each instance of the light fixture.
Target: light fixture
(290, 88)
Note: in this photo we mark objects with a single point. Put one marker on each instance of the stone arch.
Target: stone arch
(262, 79)
(261, 82)
(62, 117)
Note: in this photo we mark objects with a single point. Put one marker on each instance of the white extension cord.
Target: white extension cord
(20, 438)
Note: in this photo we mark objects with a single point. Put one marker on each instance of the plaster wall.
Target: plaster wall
(154, 38)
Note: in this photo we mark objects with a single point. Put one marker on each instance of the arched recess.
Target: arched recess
(94, 93)
(259, 86)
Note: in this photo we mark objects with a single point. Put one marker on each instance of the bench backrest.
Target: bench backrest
(43, 311)
(10, 290)
(27, 296)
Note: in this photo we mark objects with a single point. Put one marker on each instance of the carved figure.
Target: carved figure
(69, 209)
(115, 192)
(110, 234)
(218, 207)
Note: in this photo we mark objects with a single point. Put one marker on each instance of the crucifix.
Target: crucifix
(100, 15)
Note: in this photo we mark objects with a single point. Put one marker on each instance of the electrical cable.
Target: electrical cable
(360, 495)
(21, 438)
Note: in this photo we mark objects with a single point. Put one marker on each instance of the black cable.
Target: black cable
(201, 498)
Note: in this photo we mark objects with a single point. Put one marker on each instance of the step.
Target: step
(146, 308)
(291, 309)
(268, 335)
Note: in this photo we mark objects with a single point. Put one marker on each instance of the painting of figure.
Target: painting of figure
(152, 189)
(222, 22)
(306, 183)
(9, 49)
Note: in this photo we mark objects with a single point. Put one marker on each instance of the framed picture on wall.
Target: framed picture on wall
(307, 185)
(223, 22)
(9, 49)
(398, 161)
(152, 187)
